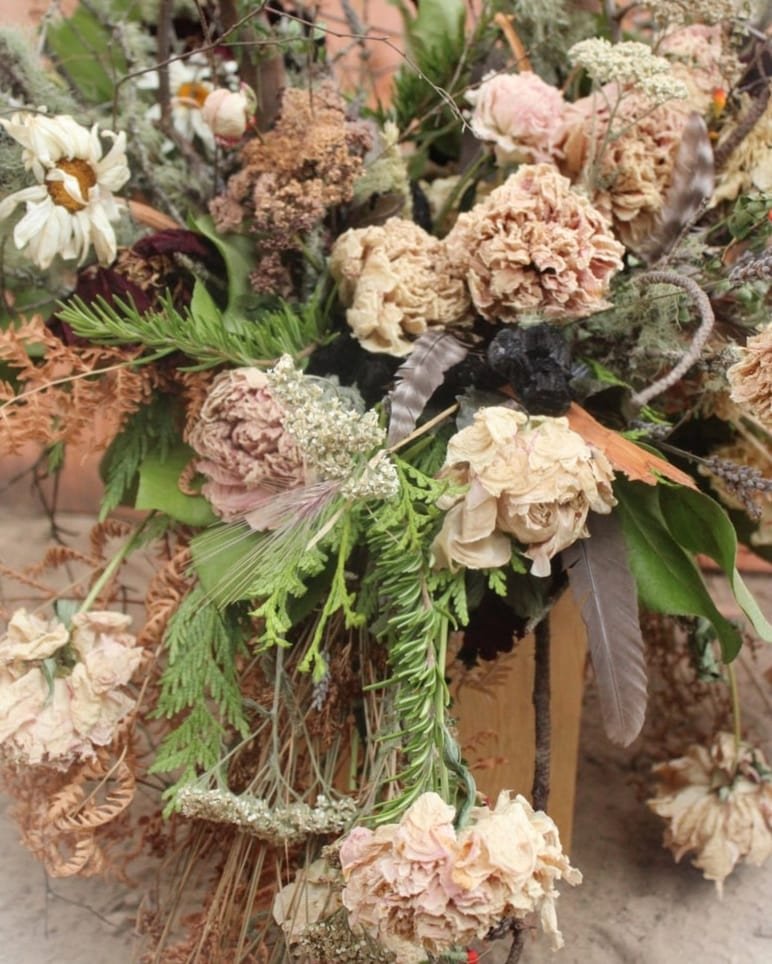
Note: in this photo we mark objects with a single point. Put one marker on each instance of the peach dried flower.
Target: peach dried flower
(530, 478)
(535, 245)
(717, 802)
(242, 446)
(519, 113)
(396, 283)
(28, 637)
(750, 380)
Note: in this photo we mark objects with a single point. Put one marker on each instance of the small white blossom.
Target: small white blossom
(628, 64)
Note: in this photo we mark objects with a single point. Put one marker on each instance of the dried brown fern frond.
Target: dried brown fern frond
(169, 585)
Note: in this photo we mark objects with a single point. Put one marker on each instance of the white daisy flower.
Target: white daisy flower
(189, 87)
(72, 205)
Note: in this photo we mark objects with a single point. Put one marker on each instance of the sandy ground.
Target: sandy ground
(636, 906)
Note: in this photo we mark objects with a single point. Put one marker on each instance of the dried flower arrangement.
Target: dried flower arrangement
(370, 371)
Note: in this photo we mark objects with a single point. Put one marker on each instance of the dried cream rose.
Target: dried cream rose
(520, 114)
(717, 802)
(750, 380)
(535, 245)
(28, 637)
(531, 478)
(227, 113)
(396, 284)
(311, 896)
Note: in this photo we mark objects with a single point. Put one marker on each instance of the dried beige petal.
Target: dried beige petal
(750, 379)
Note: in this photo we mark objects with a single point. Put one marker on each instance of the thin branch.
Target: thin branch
(541, 708)
(724, 151)
(164, 47)
(692, 354)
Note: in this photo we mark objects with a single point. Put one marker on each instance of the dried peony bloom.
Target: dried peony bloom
(535, 245)
(699, 60)
(634, 167)
(718, 803)
(534, 479)
(59, 719)
(749, 167)
(750, 379)
(422, 884)
(519, 113)
(28, 637)
(396, 283)
(243, 448)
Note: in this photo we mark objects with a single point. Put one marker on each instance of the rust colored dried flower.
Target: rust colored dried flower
(718, 804)
(535, 245)
(750, 379)
(243, 448)
(633, 168)
(396, 282)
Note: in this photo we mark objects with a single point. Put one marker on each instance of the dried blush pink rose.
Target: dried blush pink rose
(242, 447)
(534, 245)
(750, 380)
(28, 637)
(520, 114)
(531, 478)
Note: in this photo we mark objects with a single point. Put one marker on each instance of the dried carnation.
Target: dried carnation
(718, 804)
(534, 479)
(242, 446)
(58, 716)
(519, 113)
(634, 167)
(535, 245)
(396, 282)
(750, 380)
(420, 883)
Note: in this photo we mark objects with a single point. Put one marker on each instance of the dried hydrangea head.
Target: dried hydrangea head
(242, 446)
(628, 64)
(535, 245)
(632, 170)
(750, 380)
(718, 804)
(519, 114)
(396, 283)
(533, 479)
(424, 885)
(58, 720)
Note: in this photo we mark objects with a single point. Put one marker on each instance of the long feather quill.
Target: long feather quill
(419, 377)
(605, 591)
(690, 186)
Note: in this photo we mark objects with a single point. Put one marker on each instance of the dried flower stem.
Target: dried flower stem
(541, 708)
(112, 567)
(504, 22)
(736, 714)
(692, 354)
(164, 47)
(518, 943)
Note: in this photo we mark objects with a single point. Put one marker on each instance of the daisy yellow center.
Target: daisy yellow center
(193, 93)
(83, 174)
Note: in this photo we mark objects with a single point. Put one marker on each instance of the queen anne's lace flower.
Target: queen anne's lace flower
(718, 804)
(519, 114)
(534, 479)
(750, 379)
(72, 205)
(535, 245)
(422, 884)
(396, 283)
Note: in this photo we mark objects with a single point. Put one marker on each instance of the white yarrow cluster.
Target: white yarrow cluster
(629, 64)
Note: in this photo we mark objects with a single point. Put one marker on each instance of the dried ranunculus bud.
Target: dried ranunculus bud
(243, 448)
(533, 479)
(228, 113)
(535, 245)
(717, 801)
(750, 379)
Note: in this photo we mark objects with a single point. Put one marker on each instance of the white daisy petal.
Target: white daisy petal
(8, 205)
(102, 236)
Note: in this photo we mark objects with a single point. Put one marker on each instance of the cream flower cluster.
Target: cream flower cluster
(72, 205)
(422, 884)
(750, 380)
(717, 802)
(629, 64)
(50, 713)
(533, 479)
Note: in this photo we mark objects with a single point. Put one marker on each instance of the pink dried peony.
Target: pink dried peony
(520, 114)
(243, 448)
(421, 884)
(535, 245)
(532, 478)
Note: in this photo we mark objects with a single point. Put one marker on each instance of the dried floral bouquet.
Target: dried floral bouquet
(379, 376)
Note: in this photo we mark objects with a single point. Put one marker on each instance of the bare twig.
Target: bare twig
(541, 709)
(518, 943)
(164, 47)
(692, 354)
(724, 151)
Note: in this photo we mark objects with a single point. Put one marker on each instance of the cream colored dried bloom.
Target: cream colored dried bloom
(633, 168)
(28, 637)
(718, 804)
(698, 58)
(629, 64)
(243, 448)
(705, 11)
(519, 113)
(535, 245)
(396, 283)
(311, 896)
(422, 884)
(749, 167)
(530, 478)
(750, 380)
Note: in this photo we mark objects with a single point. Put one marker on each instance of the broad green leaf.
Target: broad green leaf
(203, 306)
(158, 489)
(667, 578)
(238, 253)
(83, 50)
(700, 525)
(219, 551)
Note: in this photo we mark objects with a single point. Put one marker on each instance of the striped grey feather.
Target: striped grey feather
(690, 186)
(419, 377)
